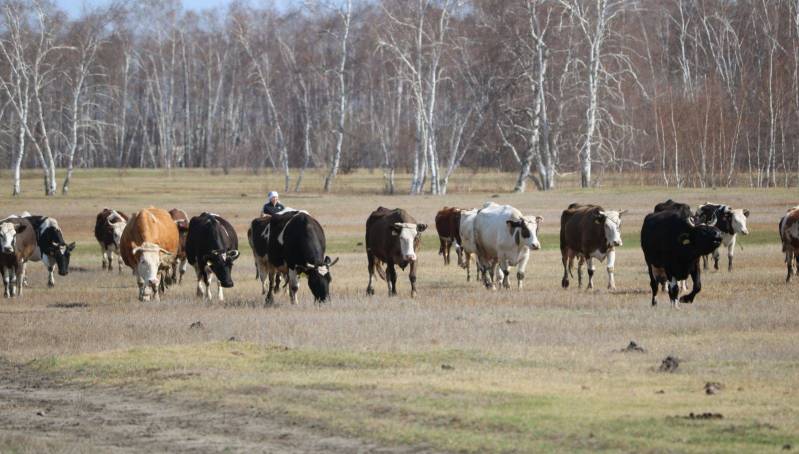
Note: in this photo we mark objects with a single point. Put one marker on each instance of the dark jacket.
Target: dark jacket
(273, 209)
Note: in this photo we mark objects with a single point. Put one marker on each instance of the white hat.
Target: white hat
(271, 195)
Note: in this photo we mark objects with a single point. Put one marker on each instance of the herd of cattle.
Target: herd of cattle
(158, 245)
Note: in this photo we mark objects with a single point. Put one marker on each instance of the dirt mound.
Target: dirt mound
(633, 347)
(706, 415)
(713, 387)
(669, 364)
(68, 305)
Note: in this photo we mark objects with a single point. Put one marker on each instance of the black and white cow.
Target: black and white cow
(730, 221)
(297, 246)
(672, 246)
(211, 248)
(51, 249)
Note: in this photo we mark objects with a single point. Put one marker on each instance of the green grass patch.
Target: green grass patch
(448, 399)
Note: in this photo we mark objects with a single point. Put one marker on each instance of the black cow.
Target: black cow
(51, 249)
(683, 209)
(672, 246)
(730, 221)
(211, 248)
(297, 246)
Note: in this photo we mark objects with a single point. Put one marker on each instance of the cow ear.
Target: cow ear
(539, 219)
(746, 213)
(622, 212)
(684, 239)
(421, 227)
(71, 246)
(19, 228)
(233, 255)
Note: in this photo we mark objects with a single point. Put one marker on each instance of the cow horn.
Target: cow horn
(329, 263)
(690, 220)
(712, 222)
(622, 212)
(164, 251)
(233, 254)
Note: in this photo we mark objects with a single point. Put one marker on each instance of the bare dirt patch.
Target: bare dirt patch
(36, 406)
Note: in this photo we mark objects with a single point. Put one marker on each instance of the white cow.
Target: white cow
(731, 222)
(504, 237)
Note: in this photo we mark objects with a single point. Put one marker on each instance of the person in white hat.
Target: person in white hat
(273, 205)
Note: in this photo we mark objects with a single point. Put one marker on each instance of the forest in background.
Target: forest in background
(696, 93)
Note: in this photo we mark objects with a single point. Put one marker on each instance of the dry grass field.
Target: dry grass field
(87, 368)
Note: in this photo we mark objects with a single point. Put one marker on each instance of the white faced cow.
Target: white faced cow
(730, 222)
(504, 238)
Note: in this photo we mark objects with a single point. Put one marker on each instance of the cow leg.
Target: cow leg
(590, 266)
(104, 252)
(789, 264)
(294, 285)
(370, 290)
(674, 292)
(459, 252)
(564, 258)
(6, 282)
(654, 285)
(716, 259)
(184, 263)
(108, 259)
(20, 272)
(442, 248)
(695, 276)
(611, 269)
(411, 277)
(220, 294)
(580, 262)
(391, 279)
(466, 264)
(730, 253)
(142, 288)
(51, 275)
(705, 262)
(209, 279)
(119, 262)
(270, 294)
(156, 289)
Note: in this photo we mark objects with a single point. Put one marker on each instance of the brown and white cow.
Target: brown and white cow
(108, 230)
(589, 232)
(789, 234)
(392, 237)
(182, 221)
(149, 246)
(17, 245)
(448, 222)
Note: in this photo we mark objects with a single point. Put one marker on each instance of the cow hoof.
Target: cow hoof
(564, 283)
(49, 285)
(413, 294)
(686, 299)
(370, 291)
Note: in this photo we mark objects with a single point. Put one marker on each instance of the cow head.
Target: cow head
(117, 227)
(701, 240)
(525, 231)
(611, 222)
(739, 218)
(61, 253)
(221, 264)
(409, 236)
(8, 236)
(148, 259)
(319, 278)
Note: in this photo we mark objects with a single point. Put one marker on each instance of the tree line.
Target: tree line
(692, 92)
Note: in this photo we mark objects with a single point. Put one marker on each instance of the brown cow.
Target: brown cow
(448, 222)
(17, 244)
(789, 234)
(182, 221)
(392, 237)
(149, 246)
(588, 232)
(108, 231)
